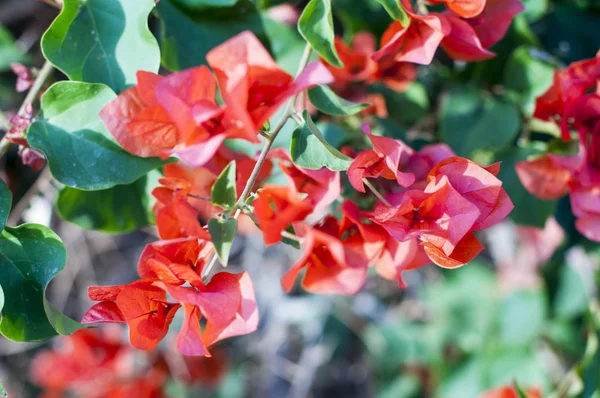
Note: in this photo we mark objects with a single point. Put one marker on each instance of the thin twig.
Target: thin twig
(287, 113)
(290, 236)
(206, 198)
(209, 267)
(29, 99)
(41, 183)
(376, 192)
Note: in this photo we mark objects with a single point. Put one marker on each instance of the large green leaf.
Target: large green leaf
(528, 210)
(102, 41)
(81, 152)
(310, 150)
(572, 296)
(528, 75)
(120, 209)
(5, 204)
(329, 103)
(9, 50)
(316, 26)
(31, 256)
(186, 39)
(522, 317)
(222, 233)
(471, 120)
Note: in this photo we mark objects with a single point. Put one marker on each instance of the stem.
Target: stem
(290, 236)
(209, 267)
(287, 113)
(376, 192)
(29, 99)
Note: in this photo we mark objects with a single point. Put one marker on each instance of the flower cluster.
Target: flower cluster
(95, 363)
(433, 201)
(465, 32)
(573, 103)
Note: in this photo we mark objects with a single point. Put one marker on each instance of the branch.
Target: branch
(376, 192)
(287, 113)
(29, 99)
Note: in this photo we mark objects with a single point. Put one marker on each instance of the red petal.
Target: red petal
(189, 339)
(543, 178)
(462, 43)
(466, 250)
(494, 21)
(105, 311)
(104, 293)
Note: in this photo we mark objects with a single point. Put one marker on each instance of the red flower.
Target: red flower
(384, 160)
(330, 268)
(491, 25)
(585, 203)
(398, 257)
(463, 8)
(253, 86)
(322, 187)
(226, 302)
(462, 43)
(544, 178)
(276, 208)
(510, 392)
(417, 41)
(24, 77)
(167, 116)
(358, 65)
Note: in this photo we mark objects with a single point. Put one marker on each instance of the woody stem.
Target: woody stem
(287, 113)
(376, 192)
(286, 234)
(29, 99)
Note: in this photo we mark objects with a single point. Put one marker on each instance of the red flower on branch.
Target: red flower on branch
(253, 86)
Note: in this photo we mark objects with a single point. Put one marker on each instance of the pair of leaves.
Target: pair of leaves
(102, 41)
(309, 149)
(224, 195)
(80, 151)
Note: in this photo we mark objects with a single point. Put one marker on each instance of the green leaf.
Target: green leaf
(328, 102)
(186, 39)
(222, 233)
(9, 50)
(470, 120)
(80, 151)
(572, 296)
(2, 390)
(522, 317)
(31, 256)
(5, 204)
(409, 106)
(223, 192)
(528, 210)
(103, 41)
(528, 75)
(396, 11)
(520, 392)
(120, 209)
(316, 26)
(206, 3)
(310, 150)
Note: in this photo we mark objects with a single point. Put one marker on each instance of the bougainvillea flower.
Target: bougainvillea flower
(175, 216)
(463, 8)
(491, 25)
(476, 184)
(94, 363)
(585, 203)
(558, 103)
(358, 65)
(144, 308)
(253, 86)
(398, 257)
(462, 43)
(175, 261)
(361, 235)
(163, 116)
(227, 303)
(510, 392)
(277, 208)
(416, 42)
(322, 187)
(396, 75)
(464, 251)
(24, 77)
(544, 178)
(384, 160)
(329, 270)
